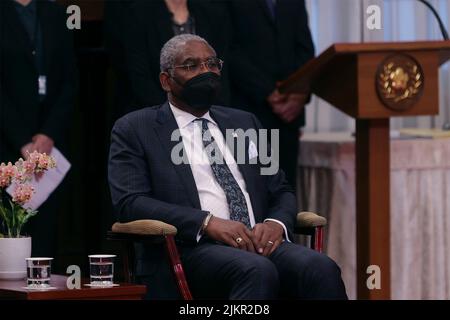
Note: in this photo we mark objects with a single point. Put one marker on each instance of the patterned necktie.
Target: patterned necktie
(235, 197)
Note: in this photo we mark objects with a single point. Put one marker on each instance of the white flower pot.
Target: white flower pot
(13, 252)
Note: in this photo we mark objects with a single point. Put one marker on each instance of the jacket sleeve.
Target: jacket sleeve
(13, 127)
(251, 80)
(131, 191)
(305, 46)
(145, 89)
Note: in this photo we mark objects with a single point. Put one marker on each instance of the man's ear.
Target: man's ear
(164, 79)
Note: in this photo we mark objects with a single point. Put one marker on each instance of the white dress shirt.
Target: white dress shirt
(211, 195)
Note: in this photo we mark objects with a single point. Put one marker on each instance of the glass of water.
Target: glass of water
(38, 272)
(101, 268)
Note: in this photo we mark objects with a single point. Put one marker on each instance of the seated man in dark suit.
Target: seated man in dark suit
(234, 223)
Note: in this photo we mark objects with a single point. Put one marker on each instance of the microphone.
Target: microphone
(446, 125)
(441, 24)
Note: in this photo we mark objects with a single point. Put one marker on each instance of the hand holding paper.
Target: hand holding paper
(48, 182)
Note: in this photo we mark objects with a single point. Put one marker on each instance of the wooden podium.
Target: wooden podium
(372, 82)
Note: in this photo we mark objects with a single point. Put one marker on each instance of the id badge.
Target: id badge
(42, 81)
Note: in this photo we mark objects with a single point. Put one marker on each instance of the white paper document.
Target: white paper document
(48, 182)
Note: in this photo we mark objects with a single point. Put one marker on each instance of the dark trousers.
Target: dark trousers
(44, 226)
(217, 271)
(289, 149)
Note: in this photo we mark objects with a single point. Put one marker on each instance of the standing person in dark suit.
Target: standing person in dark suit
(155, 22)
(271, 41)
(37, 87)
(233, 221)
(117, 17)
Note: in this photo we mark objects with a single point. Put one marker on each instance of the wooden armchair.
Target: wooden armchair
(159, 233)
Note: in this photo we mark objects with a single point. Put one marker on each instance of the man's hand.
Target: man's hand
(287, 106)
(277, 101)
(230, 232)
(43, 143)
(292, 108)
(267, 237)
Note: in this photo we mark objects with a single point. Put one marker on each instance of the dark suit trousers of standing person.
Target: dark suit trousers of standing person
(289, 134)
(43, 226)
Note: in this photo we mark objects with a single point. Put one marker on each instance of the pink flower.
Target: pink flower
(40, 161)
(9, 170)
(29, 167)
(7, 173)
(20, 176)
(4, 182)
(43, 162)
(23, 193)
(25, 170)
(34, 157)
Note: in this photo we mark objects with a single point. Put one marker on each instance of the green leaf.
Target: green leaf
(15, 218)
(28, 215)
(6, 216)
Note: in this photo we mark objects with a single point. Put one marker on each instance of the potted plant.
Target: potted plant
(14, 212)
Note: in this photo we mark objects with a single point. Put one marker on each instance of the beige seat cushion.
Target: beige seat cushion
(145, 227)
(308, 219)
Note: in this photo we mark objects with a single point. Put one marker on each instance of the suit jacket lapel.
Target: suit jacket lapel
(18, 30)
(285, 9)
(46, 34)
(225, 122)
(202, 26)
(163, 23)
(166, 126)
(263, 5)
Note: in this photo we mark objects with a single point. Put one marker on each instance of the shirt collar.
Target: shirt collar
(184, 118)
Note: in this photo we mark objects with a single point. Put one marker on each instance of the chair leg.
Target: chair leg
(318, 239)
(128, 260)
(177, 267)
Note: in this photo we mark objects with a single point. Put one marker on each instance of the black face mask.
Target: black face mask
(200, 91)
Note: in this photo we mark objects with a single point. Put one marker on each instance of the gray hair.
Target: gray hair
(172, 49)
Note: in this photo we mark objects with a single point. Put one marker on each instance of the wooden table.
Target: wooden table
(13, 289)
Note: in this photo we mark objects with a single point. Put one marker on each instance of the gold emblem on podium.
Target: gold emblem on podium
(400, 82)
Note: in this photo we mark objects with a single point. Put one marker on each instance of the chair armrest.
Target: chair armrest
(308, 219)
(309, 223)
(144, 228)
(152, 232)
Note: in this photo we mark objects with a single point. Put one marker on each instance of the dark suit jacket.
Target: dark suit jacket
(151, 28)
(145, 184)
(266, 50)
(21, 113)
(116, 20)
